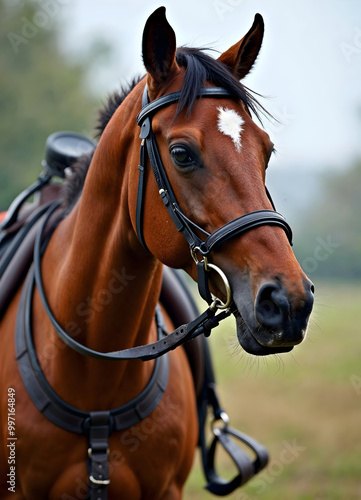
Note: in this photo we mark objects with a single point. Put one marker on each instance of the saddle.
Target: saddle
(18, 230)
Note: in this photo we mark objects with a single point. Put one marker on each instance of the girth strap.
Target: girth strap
(98, 452)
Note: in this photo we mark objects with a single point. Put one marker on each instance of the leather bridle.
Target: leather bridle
(189, 229)
(208, 320)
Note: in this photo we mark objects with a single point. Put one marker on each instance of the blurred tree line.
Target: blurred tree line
(329, 244)
(40, 91)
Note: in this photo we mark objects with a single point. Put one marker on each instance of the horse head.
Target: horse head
(215, 158)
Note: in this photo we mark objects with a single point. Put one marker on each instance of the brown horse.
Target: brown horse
(103, 285)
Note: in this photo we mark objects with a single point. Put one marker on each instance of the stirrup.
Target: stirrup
(247, 467)
(248, 463)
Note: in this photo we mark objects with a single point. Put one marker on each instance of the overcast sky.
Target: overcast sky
(309, 65)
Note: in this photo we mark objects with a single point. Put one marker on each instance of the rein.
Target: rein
(201, 325)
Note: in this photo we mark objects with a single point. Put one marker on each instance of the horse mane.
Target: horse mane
(113, 103)
(73, 186)
(200, 67)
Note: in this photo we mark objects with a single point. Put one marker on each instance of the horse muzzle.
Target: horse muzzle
(275, 325)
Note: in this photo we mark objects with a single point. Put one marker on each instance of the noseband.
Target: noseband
(184, 225)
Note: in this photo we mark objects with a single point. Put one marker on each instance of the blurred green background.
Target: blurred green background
(305, 407)
(58, 61)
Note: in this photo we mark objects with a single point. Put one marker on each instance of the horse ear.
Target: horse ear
(159, 48)
(242, 55)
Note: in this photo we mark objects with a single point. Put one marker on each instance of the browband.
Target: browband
(149, 108)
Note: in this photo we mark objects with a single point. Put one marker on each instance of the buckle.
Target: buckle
(203, 267)
(97, 467)
(217, 303)
(103, 482)
(90, 452)
(223, 416)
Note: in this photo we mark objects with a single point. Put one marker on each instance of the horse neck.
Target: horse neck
(99, 281)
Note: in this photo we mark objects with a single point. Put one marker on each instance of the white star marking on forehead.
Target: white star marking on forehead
(230, 123)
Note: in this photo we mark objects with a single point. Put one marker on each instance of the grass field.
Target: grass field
(307, 402)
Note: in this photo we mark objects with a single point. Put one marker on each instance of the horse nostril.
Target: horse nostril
(313, 288)
(271, 307)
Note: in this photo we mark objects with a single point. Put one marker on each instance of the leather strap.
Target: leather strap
(98, 451)
(13, 211)
(183, 224)
(13, 247)
(149, 108)
(241, 225)
(141, 195)
(203, 324)
(54, 408)
(167, 194)
(97, 425)
(224, 437)
(203, 284)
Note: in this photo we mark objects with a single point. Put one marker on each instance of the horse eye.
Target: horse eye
(181, 156)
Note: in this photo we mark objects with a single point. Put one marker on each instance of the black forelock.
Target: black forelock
(202, 68)
(74, 185)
